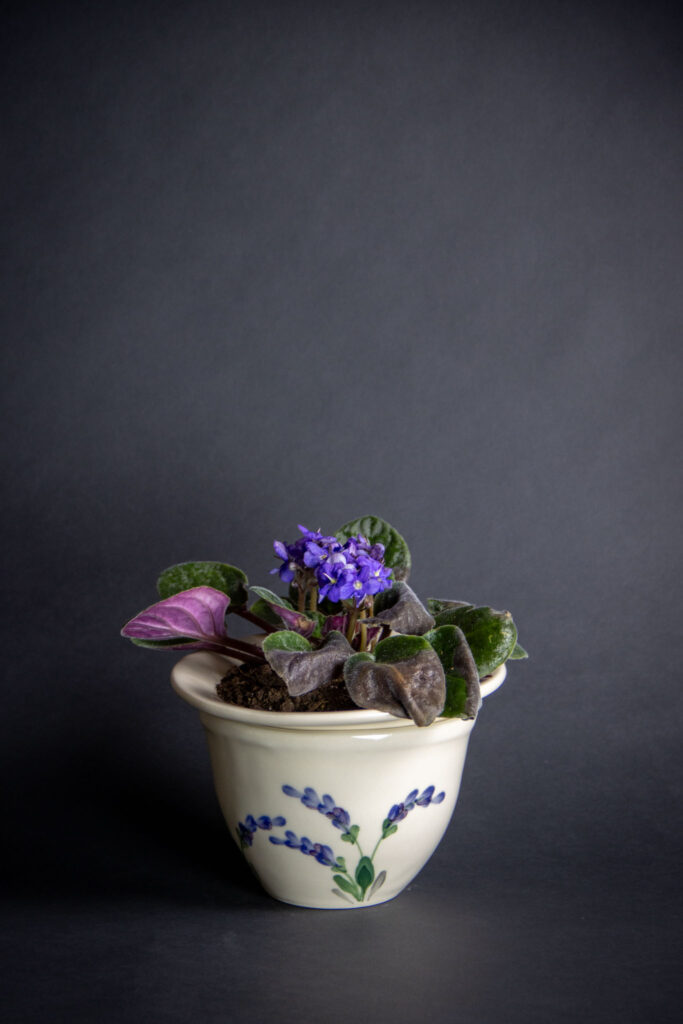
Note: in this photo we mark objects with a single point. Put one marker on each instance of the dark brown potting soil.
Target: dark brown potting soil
(257, 686)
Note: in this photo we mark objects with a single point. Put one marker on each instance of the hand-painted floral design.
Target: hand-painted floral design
(364, 881)
(247, 829)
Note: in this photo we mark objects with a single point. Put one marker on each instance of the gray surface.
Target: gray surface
(272, 264)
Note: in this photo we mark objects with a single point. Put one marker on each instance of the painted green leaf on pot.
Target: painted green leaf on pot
(410, 683)
(492, 635)
(226, 578)
(518, 653)
(302, 668)
(348, 886)
(379, 882)
(378, 531)
(365, 873)
(401, 609)
(285, 640)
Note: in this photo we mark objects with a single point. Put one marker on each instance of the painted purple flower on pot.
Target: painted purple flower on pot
(363, 881)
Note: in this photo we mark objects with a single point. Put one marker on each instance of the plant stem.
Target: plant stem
(301, 600)
(351, 628)
(267, 627)
(363, 630)
(313, 598)
(242, 649)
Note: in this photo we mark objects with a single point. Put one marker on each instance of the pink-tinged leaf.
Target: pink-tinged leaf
(340, 623)
(196, 614)
(295, 620)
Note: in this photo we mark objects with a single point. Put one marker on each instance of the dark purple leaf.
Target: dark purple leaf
(304, 671)
(401, 609)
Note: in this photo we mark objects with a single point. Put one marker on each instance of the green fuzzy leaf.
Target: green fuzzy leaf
(456, 696)
(286, 640)
(348, 886)
(518, 653)
(365, 873)
(398, 648)
(491, 635)
(156, 645)
(463, 693)
(436, 605)
(378, 531)
(271, 598)
(264, 611)
(186, 575)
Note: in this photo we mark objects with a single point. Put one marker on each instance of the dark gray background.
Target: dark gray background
(278, 263)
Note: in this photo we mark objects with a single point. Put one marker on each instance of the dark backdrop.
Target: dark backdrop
(276, 263)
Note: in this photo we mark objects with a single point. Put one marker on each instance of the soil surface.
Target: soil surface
(257, 686)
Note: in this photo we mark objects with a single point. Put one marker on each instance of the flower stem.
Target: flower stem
(313, 598)
(351, 629)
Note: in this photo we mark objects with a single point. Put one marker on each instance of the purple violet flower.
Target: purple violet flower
(336, 578)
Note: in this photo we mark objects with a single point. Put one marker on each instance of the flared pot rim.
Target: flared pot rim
(196, 676)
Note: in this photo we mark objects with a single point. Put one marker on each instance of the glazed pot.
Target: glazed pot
(332, 810)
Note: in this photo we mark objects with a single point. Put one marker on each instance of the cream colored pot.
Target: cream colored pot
(332, 810)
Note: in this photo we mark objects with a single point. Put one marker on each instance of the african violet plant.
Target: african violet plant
(349, 610)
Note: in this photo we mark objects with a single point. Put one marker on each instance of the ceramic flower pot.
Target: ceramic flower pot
(332, 810)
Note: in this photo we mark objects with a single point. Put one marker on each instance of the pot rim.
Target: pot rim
(196, 676)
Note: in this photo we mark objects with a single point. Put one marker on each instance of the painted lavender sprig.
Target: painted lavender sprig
(247, 829)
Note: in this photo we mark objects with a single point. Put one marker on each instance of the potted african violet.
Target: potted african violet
(338, 734)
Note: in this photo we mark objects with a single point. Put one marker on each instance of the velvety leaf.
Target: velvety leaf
(365, 873)
(414, 687)
(294, 620)
(264, 611)
(398, 648)
(463, 692)
(285, 640)
(518, 653)
(180, 645)
(340, 623)
(227, 578)
(195, 614)
(272, 598)
(378, 531)
(436, 605)
(491, 635)
(304, 670)
(402, 610)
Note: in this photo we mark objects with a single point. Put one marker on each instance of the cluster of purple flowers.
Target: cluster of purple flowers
(354, 569)
(247, 829)
(400, 811)
(309, 798)
(323, 854)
